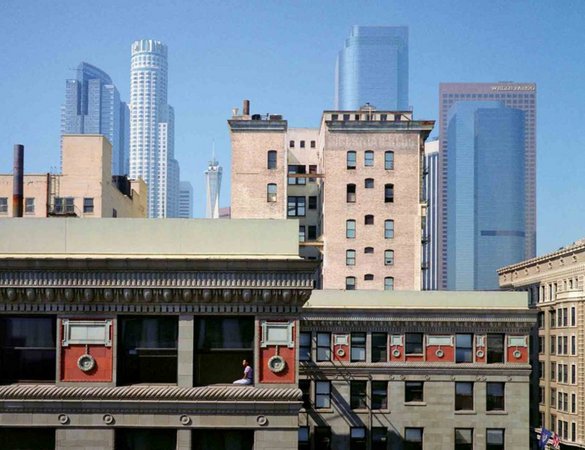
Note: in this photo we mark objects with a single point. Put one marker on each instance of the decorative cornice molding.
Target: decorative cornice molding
(149, 393)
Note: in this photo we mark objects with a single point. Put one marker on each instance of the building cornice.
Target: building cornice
(258, 125)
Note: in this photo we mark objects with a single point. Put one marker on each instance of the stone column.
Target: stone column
(183, 439)
(185, 351)
(88, 439)
(271, 439)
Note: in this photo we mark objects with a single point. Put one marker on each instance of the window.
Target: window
(159, 438)
(305, 387)
(296, 170)
(291, 144)
(304, 438)
(495, 396)
(322, 438)
(322, 394)
(358, 347)
(495, 348)
(357, 438)
(302, 144)
(379, 438)
(573, 316)
(305, 346)
(369, 219)
(494, 439)
(379, 395)
(414, 344)
(389, 160)
(350, 283)
(88, 205)
(464, 348)
(350, 193)
(58, 205)
(350, 257)
(29, 205)
(346, 117)
(147, 350)
(388, 257)
(296, 206)
(379, 347)
(369, 277)
(271, 192)
(463, 396)
(463, 438)
(573, 374)
(413, 439)
(553, 344)
(413, 391)
(323, 346)
(312, 171)
(28, 438)
(271, 160)
(369, 158)
(573, 403)
(358, 396)
(388, 193)
(389, 283)
(369, 183)
(69, 205)
(368, 250)
(573, 345)
(312, 202)
(302, 235)
(388, 229)
(351, 160)
(3, 205)
(312, 232)
(27, 349)
(312, 144)
(350, 229)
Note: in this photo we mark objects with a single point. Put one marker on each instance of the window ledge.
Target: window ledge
(324, 410)
(496, 413)
(415, 403)
(465, 412)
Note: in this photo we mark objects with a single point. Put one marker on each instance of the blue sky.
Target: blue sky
(281, 55)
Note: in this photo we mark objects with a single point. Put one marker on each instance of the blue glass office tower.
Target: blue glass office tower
(486, 226)
(93, 106)
(373, 68)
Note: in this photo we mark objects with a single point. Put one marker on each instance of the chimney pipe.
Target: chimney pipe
(18, 181)
(246, 109)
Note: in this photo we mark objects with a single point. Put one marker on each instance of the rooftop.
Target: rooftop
(577, 246)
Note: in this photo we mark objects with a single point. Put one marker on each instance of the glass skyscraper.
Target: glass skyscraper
(430, 275)
(486, 226)
(213, 187)
(373, 68)
(93, 106)
(152, 128)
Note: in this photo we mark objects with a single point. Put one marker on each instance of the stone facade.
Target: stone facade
(86, 174)
(555, 283)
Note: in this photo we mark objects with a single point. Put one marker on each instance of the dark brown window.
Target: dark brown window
(414, 343)
(388, 193)
(322, 438)
(379, 394)
(358, 346)
(379, 438)
(413, 391)
(271, 162)
(495, 348)
(463, 438)
(358, 439)
(495, 399)
(463, 396)
(27, 438)
(350, 193)
(305, 387)
(413, 439)
(358, 394)
(148, 439)
(218, 439)
(369, 219)
(379, 347)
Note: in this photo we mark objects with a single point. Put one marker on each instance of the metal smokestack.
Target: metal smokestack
(18, 181)
(246, 109)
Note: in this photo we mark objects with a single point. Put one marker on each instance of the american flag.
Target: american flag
(555, 441)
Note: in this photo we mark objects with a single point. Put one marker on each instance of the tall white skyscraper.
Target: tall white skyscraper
(213, 186)
(152, 128)
(185, 200)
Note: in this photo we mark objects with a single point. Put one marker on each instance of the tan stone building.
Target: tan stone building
(556, 286)
(85, 188)
(355, 184)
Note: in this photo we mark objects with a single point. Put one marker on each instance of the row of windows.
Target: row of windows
(414, 344)
(369, 159)
(370, 115)
(350, 227)
(61, 205)
(291, 144)
(559, 345)
(307, 233)
(560, 400)
(350, 256)
(298, 169)
(29, 205)
(563, 429)
(350, 282)
(559, 372)
(351, 196)
(412, 438)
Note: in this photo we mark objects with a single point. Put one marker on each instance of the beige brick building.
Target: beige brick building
(85, 188)
(354, 184)
(556, 286)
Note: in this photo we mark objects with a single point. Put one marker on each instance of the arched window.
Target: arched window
(350, 283)
(389, 283)
(350, 257)
(369, 277)
(369, 183)
(388, 229)
(388, 257)
(350, 229)
(271, 192)
(389, 160)
(369, 219)
(369, 158)
(271, 163)
(388, 193)
(351, 159)
(350, 190)
(369, 250)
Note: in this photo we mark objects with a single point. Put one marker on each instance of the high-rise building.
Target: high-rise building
(366, 218)
(373, 68)
(555, 283)
(93, 106)
(431, 230)
(212, 189)
(185, 200)
(152, 128)
(519, 96)
(485, 191)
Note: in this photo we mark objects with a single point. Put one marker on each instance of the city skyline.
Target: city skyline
(307, 91)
